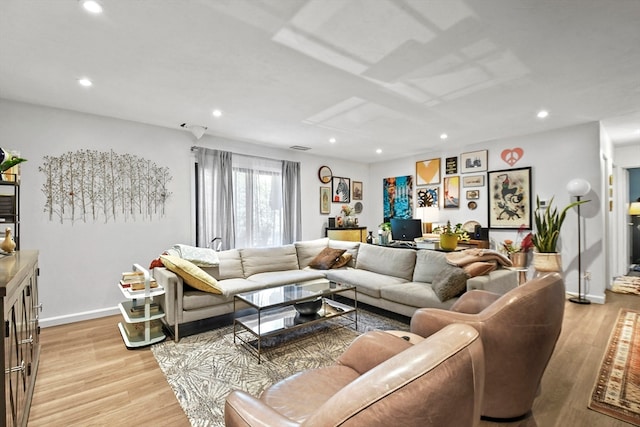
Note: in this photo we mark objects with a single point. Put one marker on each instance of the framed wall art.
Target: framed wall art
(325, 200)
(427, 197)
(428, 172)
(451, 165)
(356, 190)
(473, 194)
(340, 189)
(473, 181)
(397, 197)
(451, 191)
(510, 198)
(475, 161)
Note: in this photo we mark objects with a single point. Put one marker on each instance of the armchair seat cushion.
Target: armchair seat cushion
(313, 389)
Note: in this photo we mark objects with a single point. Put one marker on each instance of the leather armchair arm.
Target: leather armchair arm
(243, 410)
(474, 302)
(371, 349)
(427, 321)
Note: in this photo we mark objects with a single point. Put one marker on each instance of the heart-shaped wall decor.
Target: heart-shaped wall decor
(512, 155)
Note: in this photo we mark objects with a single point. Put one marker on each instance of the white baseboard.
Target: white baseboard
(78, 317)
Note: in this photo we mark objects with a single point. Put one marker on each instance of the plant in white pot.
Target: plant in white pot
(545, 239)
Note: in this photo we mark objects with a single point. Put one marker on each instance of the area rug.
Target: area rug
(617, 389)
(203, 369)
(626, 285)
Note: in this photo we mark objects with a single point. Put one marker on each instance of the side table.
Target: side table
(522, 273)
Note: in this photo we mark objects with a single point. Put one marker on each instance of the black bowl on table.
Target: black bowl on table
(309, 307)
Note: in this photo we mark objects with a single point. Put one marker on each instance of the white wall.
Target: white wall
(81, 263)
(556, 157)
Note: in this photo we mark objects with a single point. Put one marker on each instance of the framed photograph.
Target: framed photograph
(510, 198)
(473, 194)
(356, 190)
(427, 197)
(475, 161)
(451, 165)
(340, 189)
(325, 200)
(428, 172)
(473, 181)
(451, 191)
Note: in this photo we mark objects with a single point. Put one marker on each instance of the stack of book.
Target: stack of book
(138, 310)
(134, 280)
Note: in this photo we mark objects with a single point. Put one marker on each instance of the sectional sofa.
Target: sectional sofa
(395, 279)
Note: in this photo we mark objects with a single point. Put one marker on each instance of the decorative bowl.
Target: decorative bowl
(309, 307)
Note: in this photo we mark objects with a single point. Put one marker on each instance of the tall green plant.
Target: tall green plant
(548, 224)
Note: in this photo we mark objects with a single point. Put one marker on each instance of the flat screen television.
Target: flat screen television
(406, 229)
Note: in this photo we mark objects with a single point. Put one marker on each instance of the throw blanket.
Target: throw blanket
(469, 256)
(202, 257)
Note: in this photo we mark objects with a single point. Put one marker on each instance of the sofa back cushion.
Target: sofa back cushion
(229, 267)
(350, 247)
(388, 261)
(262, 260)
(428, 264)
(309, 249)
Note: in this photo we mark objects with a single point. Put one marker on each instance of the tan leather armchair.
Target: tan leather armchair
(519, 331)
(380, 380)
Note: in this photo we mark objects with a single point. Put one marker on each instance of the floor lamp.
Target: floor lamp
(579, 188)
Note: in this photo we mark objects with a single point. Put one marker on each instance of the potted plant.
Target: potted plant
(384, 231)
(449, 236)
(545, 239)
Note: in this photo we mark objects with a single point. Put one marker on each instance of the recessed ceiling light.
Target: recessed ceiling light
(637, 131)
(217, 113)
(379, 151)
(542, 114)
(332, 140)
(91, 6)
(85, 82)
(444, 136)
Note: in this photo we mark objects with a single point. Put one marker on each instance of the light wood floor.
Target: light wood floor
(88, 378)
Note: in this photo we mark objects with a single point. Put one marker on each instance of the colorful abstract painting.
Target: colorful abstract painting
(397, 197)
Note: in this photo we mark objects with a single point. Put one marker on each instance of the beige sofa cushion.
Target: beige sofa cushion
(191, 274)
(388, 261)
(308, 249)
(262, 260)
(428, 264)
(229, 266)
(350, 247)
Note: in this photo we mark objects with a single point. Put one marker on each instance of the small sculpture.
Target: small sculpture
(8, 245)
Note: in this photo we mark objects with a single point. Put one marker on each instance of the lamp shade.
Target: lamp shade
(634, 208)
(578, 187)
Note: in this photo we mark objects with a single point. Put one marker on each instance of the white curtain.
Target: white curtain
(215, 213)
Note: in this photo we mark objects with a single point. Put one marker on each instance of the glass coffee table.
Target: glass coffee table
(274, 311)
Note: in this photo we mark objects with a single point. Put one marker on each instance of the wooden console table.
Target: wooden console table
(350, 234)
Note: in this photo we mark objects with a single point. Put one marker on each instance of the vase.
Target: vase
(448, 242)
(518, 259)
(8, 245)
(350, 221)
(370, 237)
(546, 262)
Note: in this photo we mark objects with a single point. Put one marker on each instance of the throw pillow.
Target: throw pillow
(344, 259)
(480, 268)
(450, 282)
(191, 274)
(326, 258)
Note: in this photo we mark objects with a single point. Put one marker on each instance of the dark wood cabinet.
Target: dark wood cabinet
(20, 350)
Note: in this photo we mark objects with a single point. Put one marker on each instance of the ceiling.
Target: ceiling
(374, 74)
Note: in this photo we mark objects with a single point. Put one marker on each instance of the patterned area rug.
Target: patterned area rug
(203, 369)
(617, 389)
(626, 285)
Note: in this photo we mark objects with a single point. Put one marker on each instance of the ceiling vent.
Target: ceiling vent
(300, 148)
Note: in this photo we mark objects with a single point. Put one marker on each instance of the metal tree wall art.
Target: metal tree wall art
(89, 185)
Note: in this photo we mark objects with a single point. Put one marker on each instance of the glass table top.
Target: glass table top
(289, 294)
